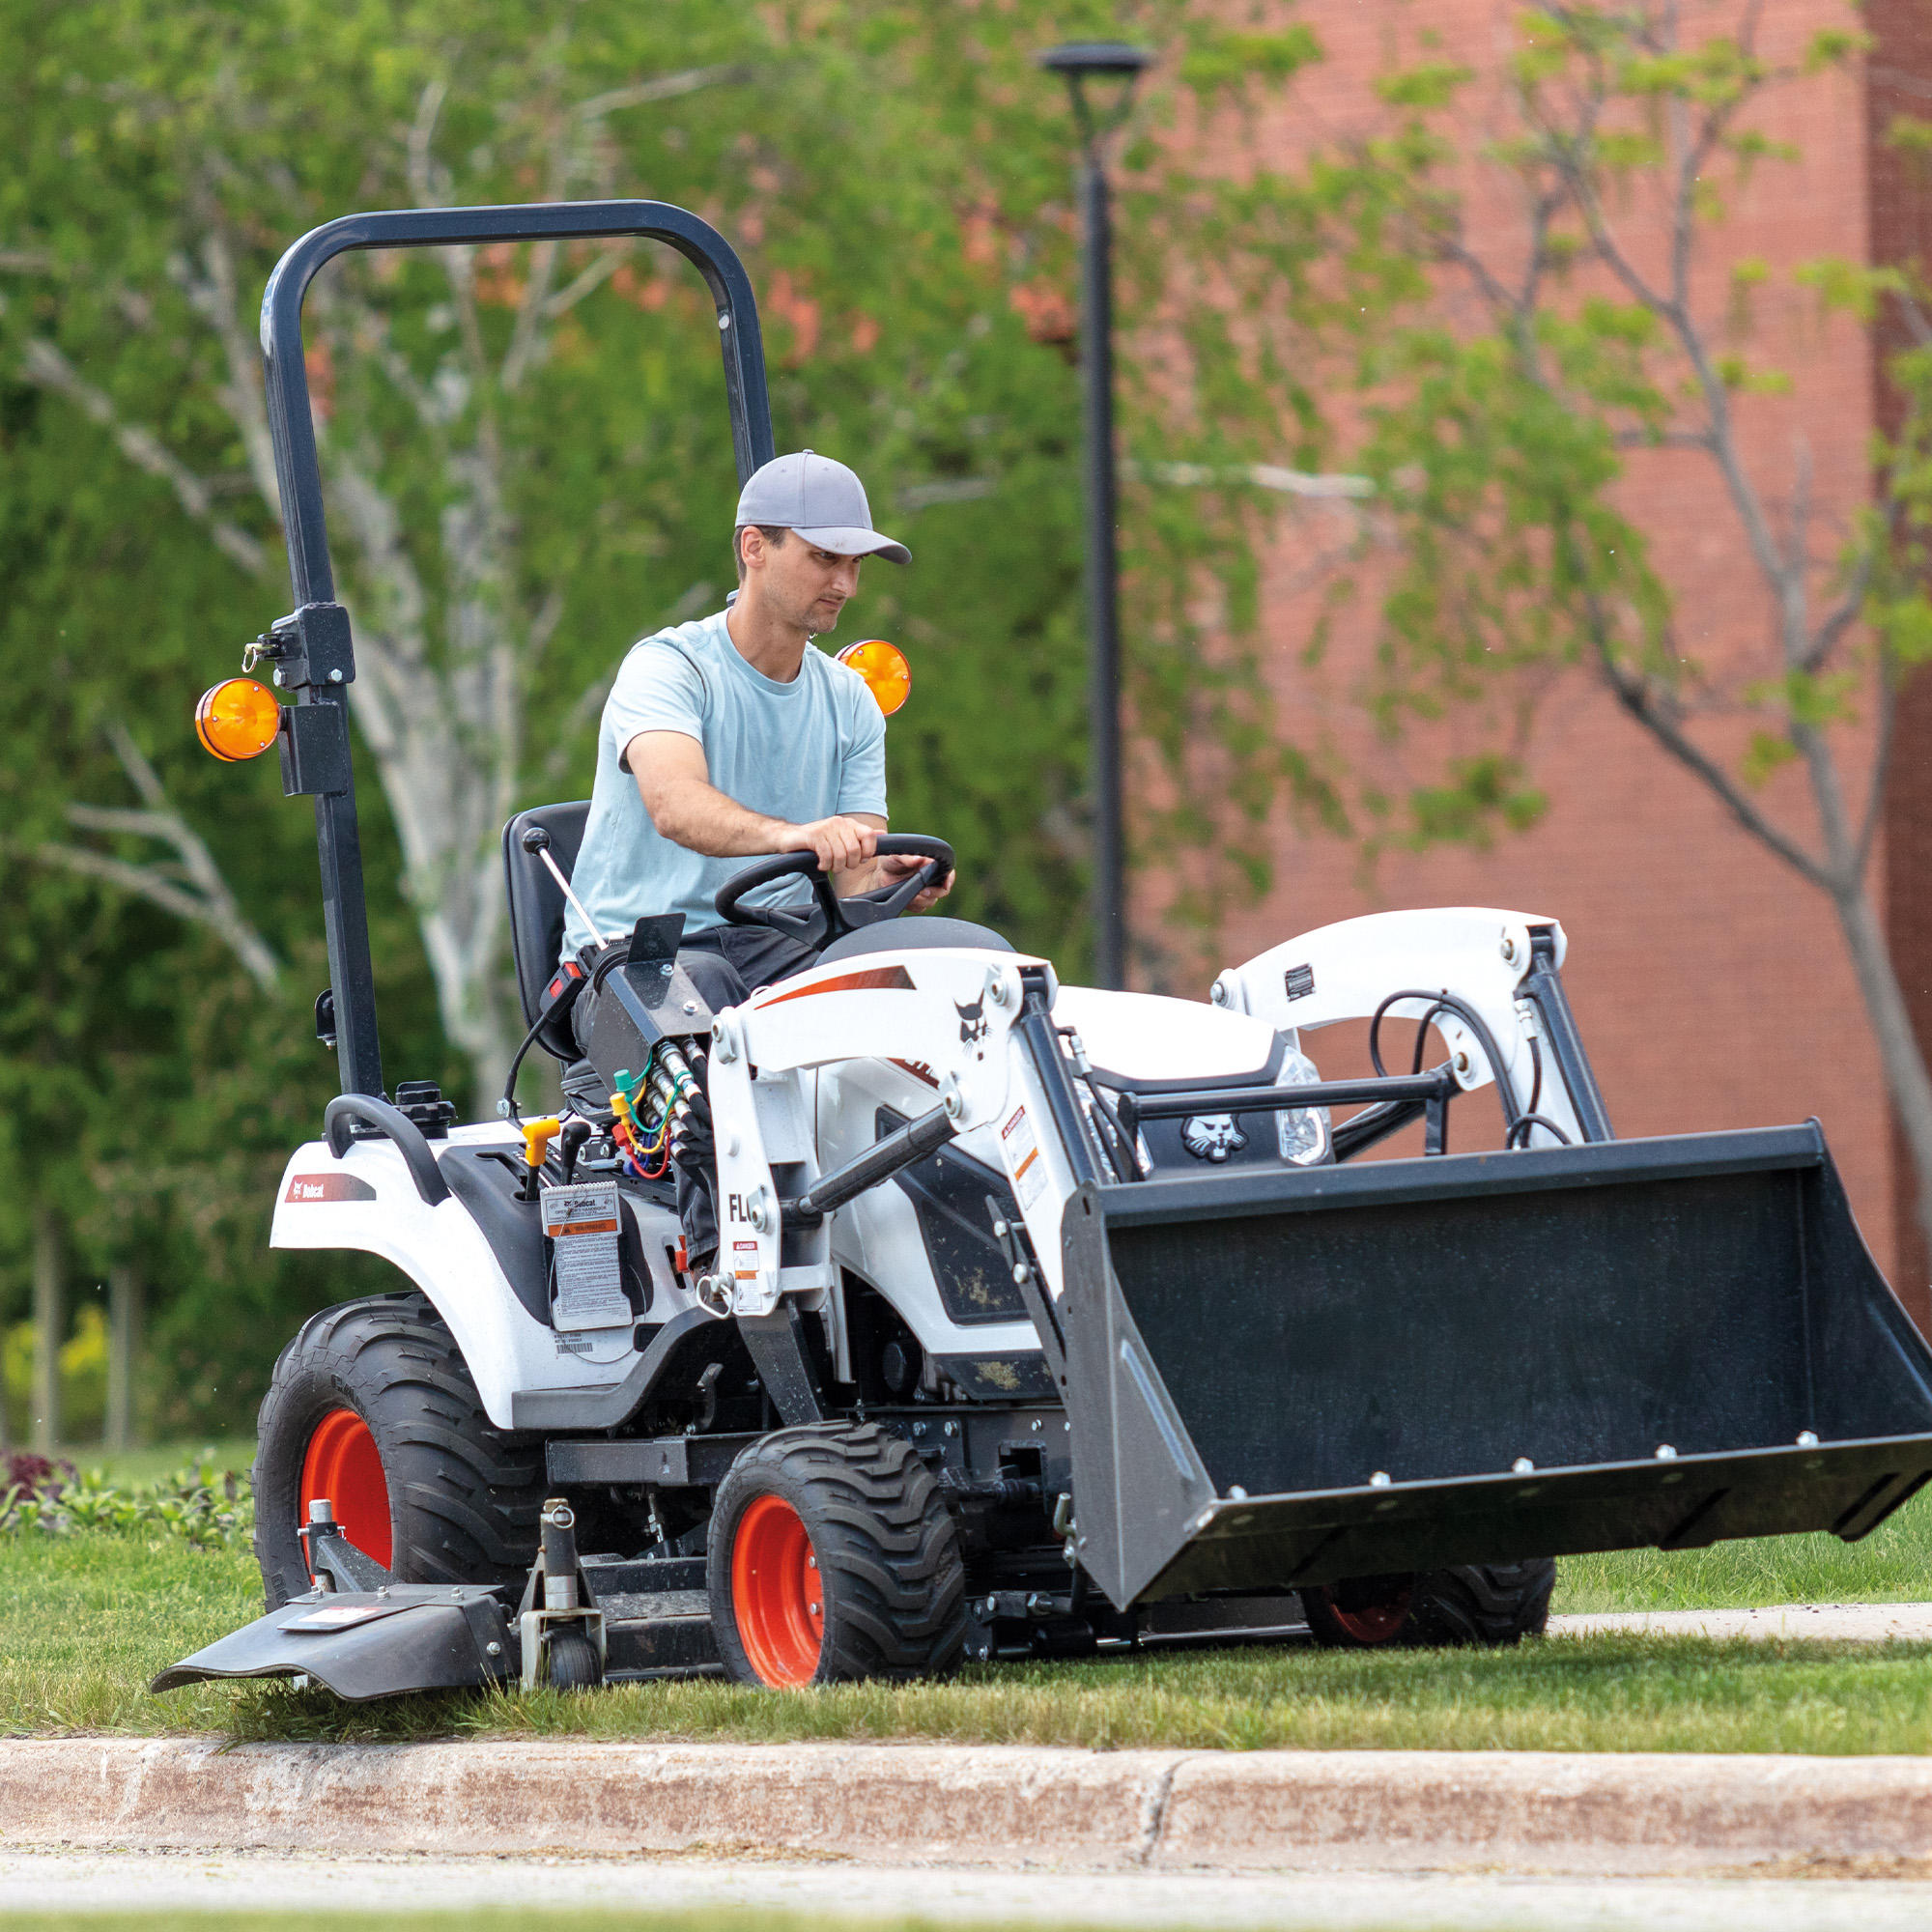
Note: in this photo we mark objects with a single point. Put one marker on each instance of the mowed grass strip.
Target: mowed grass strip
(85, 1620)
(1893, 1565)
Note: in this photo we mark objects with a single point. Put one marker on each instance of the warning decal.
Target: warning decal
(1022, 1156)
(583, 1226)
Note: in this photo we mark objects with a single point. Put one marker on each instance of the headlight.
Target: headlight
(1302, 1135)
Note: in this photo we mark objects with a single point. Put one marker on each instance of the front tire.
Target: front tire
(1486, 1605)
(372, 1406)
(832, 1558)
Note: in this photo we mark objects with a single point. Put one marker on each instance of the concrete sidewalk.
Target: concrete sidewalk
(1139, 1810)
(1821, 1623)
(861, 1895)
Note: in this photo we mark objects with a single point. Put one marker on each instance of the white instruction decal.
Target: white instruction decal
(1022, 1154)
(584, 1224)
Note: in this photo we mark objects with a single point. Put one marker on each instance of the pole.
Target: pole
(49, 1329)
(1104, 634)
(123, 1340)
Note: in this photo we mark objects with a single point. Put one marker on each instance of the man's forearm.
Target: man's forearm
(701, 819)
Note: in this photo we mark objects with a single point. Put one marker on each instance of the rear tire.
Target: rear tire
(1487, 1606)
(375, 1397)
(1490, 1605)
(831, 1558)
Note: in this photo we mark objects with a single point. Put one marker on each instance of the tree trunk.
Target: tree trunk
(124, 1341)
(49, 1329)
(1905, 1071)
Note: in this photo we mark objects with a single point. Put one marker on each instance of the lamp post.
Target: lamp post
(1112, 67)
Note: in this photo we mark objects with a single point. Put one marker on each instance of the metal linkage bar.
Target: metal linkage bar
(1542, 985)
(1422, 1088)
(1035, 1026)
(879, 1162)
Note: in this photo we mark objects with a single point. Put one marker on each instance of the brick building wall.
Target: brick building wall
(1711, 982)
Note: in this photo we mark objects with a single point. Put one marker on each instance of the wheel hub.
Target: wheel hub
(778, 1596)
(342, 1464)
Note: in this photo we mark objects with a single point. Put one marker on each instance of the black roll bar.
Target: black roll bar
(316, 658)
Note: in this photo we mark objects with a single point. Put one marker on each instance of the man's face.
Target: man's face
(802, 585)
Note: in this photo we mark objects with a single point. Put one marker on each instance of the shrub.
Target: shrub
(208, 1508)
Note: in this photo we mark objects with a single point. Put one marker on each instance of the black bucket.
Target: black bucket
(1295, 1377)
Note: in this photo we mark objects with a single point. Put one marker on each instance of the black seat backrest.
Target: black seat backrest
(536, 906)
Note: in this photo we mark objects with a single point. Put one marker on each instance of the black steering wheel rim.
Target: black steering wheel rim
(832, 918)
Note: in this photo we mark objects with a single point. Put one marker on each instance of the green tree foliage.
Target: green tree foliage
(527, 469)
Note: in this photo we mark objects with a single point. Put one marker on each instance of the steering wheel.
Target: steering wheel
(832, 918)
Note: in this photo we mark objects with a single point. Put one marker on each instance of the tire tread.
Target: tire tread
(879, 1526)
(465, 1496)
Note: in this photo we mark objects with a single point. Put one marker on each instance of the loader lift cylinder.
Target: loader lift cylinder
(316, 743)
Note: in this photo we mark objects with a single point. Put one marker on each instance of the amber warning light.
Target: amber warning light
(884, 667)
(237, 719)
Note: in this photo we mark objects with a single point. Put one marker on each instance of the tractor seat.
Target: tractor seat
(537, 908)
(922, 930)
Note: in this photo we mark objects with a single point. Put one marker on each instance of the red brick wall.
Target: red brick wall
(1710, 980)
(1900, 81)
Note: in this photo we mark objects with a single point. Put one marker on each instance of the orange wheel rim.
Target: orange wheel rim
(776, 1594)
(344, 1464)
(1373, 1620)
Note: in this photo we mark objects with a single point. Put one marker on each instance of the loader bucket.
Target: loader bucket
(1288, 1377)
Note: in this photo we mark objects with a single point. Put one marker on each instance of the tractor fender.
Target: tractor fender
(368, 1200)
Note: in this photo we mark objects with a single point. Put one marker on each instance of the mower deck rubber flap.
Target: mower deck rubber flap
(362, 1645)
(1278, 1378)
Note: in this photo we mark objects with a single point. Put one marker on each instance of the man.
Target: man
(732, 737)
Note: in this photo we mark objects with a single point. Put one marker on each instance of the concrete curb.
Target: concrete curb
(977, 1804)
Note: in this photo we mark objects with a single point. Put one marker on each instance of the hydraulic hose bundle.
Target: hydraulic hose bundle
(658, 1111)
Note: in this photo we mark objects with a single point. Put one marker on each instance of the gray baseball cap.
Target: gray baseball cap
(822, 500)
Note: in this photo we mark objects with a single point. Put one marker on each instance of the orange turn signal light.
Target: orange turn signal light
(884, 667)
(237, 719)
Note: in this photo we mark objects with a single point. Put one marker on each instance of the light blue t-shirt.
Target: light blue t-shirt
(801, 750)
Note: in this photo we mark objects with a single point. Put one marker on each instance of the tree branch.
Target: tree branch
(204, 899)
(46, 367)
(1636, 695)
(665, 88)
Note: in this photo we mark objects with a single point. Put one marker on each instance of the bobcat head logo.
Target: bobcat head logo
(972, 1020)
(1211, 1136)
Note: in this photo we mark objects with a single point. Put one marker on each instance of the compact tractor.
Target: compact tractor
(1043, 1317)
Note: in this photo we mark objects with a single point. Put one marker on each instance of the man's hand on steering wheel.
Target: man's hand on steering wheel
(893, 868)
(843, 845)
(915, 871)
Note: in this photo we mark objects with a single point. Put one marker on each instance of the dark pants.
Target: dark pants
(726, 964)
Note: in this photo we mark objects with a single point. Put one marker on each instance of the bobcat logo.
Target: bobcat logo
(1211, 1136)
(973, 1023)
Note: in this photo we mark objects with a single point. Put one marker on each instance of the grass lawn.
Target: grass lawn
(85, 1619)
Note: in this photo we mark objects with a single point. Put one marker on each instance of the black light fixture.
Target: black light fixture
(1111, 69)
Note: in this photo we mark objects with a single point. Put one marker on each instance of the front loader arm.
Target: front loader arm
(980, 1023)
(1502, 966)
